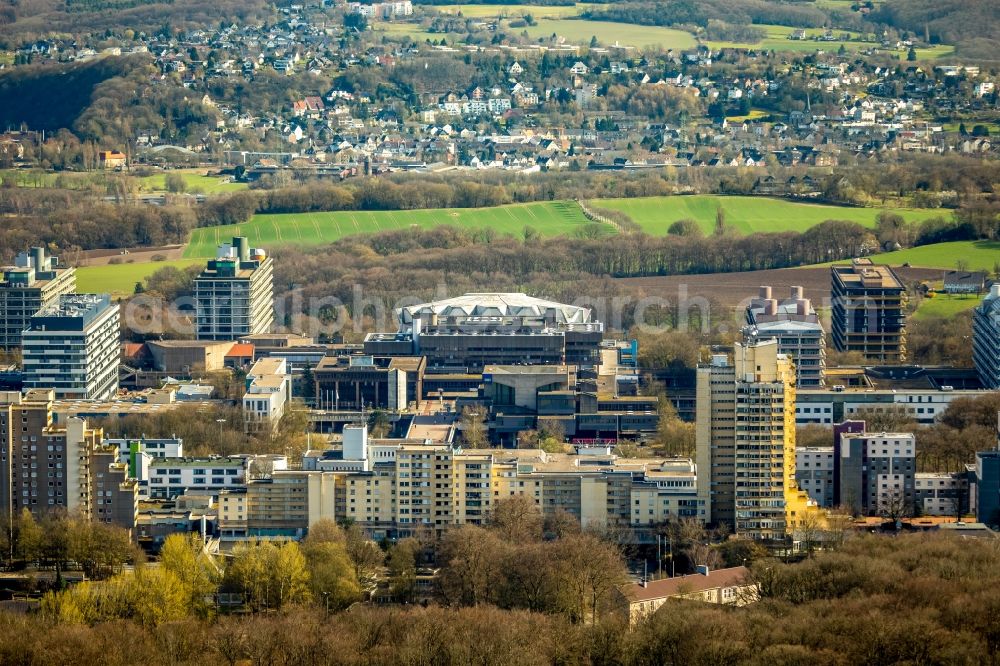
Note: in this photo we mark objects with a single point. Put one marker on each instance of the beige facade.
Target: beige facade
(186, 356)
(729, 587)
(46, 466)
(746, 442)
(415, 486)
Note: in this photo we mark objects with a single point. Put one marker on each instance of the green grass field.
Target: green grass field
(745, 214)
(549, 218)
(579, 31)
(196, 180)
(946, 306)
(199, 181)
(978, 255)
(120, 279)
(574, 31)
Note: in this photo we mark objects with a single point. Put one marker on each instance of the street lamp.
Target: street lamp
(220, 422)
(326, 601)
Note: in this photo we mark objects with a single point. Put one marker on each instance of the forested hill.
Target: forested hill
(22, 21)
(972, 25)
(50, 97)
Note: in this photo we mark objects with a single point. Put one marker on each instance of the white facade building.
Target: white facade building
(269, 388)
(72, 346)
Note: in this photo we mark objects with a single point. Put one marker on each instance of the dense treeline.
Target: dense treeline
(539, 3)
(911, 599)
(968, 425)
(88, 221)
(523, 561)
(103, 102)
(392, 263)
(88, 224)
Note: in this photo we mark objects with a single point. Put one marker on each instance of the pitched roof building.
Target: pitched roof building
(729, 587)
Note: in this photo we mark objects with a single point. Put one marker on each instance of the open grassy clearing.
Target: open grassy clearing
(992, 126)
(745, 214)
(754, 114)
(120, 279)
(196, 180)
(548, 218)
(201, 182)
(943, 305)
(579, 31)
(574, 31)
(978, 255)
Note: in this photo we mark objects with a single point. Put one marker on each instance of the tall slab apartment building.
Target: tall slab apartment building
(234, 295)
(867, 314)
(746, 442)
(46, 465)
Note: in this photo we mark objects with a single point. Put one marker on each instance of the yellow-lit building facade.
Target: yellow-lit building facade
(746, 442)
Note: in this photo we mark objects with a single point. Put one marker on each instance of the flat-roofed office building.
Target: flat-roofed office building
(33, 282)
(72, 346)
(467, 333)
(867, 315)
(235, 293)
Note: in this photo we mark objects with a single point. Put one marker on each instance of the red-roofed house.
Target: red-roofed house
(722, 586)
(239, 356)
(136, 354)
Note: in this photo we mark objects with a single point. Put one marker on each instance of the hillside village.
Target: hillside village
(344, 108)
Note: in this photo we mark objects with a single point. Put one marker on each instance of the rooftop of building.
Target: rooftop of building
(495, 304)
(808, 324)
(437, 428)
(120, 407)
(190, 344)
(81, 307)
(991, 301)
(683, 585)
(363, 361)
(33, 269)
(965, 278)
(208, 461)
(241, 349)
(900, 378)
(862, 273)
(269, 365)
(526, 370)
(278, 340)
(267, 382)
